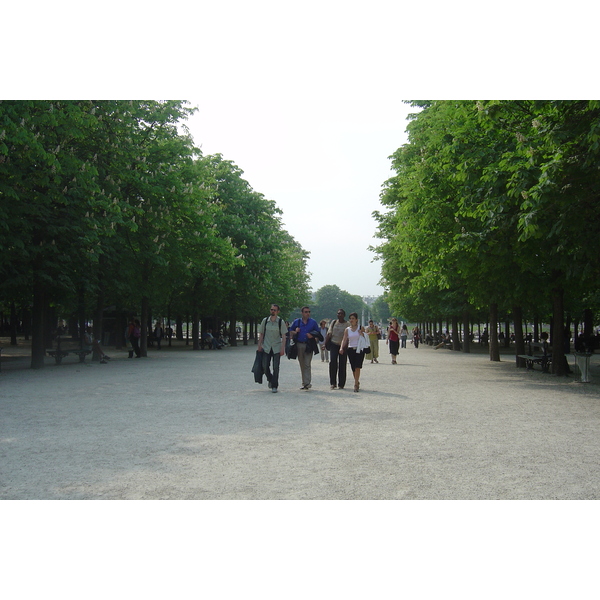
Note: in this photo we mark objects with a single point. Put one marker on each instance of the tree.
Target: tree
(482, 208)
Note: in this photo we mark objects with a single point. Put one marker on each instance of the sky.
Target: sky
(307, 99)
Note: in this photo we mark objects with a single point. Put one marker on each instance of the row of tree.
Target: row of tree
(495, 207)
(109, 203)
(330, 298)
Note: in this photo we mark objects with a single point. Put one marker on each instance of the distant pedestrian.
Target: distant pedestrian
(136, 334)
(393, 339)
(158, 333)
(373, 332)
(416, 336)
(403, 335)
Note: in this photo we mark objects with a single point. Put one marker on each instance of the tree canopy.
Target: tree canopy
(494, 205)
(109, 203)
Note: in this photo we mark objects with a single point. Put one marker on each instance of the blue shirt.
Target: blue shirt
(311, 325)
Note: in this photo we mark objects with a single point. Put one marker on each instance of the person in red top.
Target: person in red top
(393, 339)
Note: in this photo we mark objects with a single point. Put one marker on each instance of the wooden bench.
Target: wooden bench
(544, 360)
(82, 354)
(58, 355)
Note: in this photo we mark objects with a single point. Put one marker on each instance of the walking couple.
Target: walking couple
(343, 340)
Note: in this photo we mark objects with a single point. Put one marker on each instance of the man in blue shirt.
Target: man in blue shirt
(304, 330)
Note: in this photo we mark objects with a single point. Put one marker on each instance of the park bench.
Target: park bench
(81, 353)
(58, 355)
(531, 359)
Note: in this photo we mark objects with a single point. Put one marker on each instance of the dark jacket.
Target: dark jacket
(312, 343)
(257, 368)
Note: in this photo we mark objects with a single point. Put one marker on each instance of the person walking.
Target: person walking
(322, 346)
(337, 362)
(271, 342)
(305, 331)
(403, 335)
(373, 332)
(134, 332)
(393, 339)
(350, 344)
(158, 333)
(416, 336)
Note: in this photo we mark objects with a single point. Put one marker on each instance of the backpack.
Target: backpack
(264, 326)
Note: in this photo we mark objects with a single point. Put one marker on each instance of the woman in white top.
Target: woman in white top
(349, 343)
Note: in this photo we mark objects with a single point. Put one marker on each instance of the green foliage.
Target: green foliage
(330, 298)
(113, 198)
(492, 202)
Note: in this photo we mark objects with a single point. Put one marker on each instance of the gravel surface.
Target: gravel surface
(182, 424)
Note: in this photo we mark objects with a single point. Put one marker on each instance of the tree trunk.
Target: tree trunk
(144, 326)
(455, 334)
(466, 331)
(519, 337)
(98, 318)
(494, 347)
(13, 324)
(196, 330)
(38, 350)
(232, 332)
(558, 347)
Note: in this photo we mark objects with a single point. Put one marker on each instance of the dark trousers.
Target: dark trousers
(135, 343)
(274, 376)
(337, 366)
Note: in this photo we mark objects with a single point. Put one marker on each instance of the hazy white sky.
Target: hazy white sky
(323, 171)
(305, 98)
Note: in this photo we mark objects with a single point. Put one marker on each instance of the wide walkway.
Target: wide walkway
(194, 425)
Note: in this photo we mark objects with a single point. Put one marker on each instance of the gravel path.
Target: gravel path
(194, 425)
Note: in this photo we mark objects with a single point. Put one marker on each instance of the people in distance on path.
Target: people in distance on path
(403, 335)
(136, 334)
(93, 345)
(349, 344)
(134, 344)
(305, 331)
(373, 332)
(322, 346)
(271, 342)
(393, 339)
(416, 336)
(158, 333)
(337, 362)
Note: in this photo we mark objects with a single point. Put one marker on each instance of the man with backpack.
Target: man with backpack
(271, 342)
